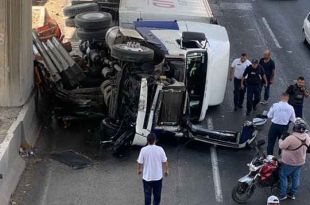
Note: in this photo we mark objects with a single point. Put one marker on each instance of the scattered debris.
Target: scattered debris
(26, 152)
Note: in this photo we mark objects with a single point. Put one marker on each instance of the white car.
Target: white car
(306, 29)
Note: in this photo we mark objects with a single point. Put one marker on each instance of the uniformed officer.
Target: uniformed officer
(253, 75)
(238, 67)
(281, 114)
(297, 93)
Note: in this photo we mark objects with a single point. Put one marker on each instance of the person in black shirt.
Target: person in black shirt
(297, 93)
(269, 67)
(253, 75)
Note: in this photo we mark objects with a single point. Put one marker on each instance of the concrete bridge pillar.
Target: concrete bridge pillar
(16, 61)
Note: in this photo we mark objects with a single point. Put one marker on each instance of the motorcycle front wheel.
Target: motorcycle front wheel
(242, 192)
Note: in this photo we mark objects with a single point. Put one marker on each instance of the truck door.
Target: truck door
(196, 81)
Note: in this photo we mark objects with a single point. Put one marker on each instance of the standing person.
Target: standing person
(273, 200)
(281, 114)
(238, 67)
(269, 67)
(151, 160)
(297, 94)
(294, 149)
(253, 75)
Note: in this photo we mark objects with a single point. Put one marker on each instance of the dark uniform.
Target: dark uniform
(296, 99)
(254, 78)
(269, 68)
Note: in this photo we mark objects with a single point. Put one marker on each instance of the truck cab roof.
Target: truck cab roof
(167, 35)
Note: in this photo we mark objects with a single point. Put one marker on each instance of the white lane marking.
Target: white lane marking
(271, 33)
(215, 168)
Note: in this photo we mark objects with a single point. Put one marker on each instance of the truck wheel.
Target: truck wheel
(93, 20)
(132, 52)
(91, 35)
(74, 10)
(69, 22)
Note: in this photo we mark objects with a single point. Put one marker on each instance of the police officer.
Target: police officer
(297, 94)
(253, 75)
(281, 114)
(237, 69)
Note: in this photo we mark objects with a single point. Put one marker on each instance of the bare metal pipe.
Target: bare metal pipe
(53, 48)
(51, 67)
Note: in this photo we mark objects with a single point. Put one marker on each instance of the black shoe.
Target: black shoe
(235, 109)
(291, 196)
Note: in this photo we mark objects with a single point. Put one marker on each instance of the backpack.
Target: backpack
(303, 143)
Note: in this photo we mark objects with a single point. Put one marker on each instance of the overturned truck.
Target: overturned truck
(153, 75)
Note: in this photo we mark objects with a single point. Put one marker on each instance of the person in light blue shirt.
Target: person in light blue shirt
(281, 114)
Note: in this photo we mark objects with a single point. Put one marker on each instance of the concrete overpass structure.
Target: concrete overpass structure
(16, 86)
(16, 69)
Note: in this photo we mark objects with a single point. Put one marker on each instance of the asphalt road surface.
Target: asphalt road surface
(200, 174)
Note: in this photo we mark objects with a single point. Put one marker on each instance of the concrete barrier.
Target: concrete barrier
(25, 129)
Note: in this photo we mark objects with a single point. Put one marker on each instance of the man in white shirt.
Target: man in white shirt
(237, 69)
(151, 159)
(281, 114)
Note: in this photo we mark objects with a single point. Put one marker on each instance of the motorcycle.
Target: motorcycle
(263, 172)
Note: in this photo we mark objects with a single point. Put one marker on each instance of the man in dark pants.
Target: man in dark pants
(254, 75)
(297, 94)
(281, 114)
(238, 67)
(269, 67)
(151, 159)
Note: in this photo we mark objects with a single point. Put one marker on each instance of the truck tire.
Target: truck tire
(125, 52)
(69, 22)
(91, 35)
(93, 20)
(74, 10)
(76, 2)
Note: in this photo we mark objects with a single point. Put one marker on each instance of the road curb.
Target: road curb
(24, 130)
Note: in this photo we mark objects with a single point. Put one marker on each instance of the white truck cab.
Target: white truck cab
(202, 53)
